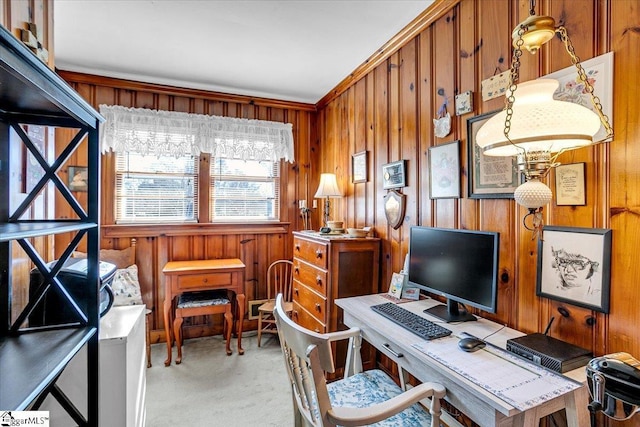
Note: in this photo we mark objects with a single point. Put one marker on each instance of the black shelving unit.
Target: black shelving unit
(32, 359)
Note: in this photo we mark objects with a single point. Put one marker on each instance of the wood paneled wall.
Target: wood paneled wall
(256, 245)
(386, 107)
(388, 111)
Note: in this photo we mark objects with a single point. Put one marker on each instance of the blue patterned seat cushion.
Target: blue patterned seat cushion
(202, 299)
(370, 387)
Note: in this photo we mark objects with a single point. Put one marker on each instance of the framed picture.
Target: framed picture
(570, 185)
(253, 308)
(77, 178)
(359, 167)
(464, 103)
(393, 175)
(574, 266)
(599, 71)
(490, 177)
(444, 170)
(395, 287)
(394, 206)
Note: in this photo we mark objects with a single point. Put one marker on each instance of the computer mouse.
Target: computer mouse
(471, 344)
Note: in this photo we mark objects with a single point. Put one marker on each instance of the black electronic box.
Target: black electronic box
(552, 353)
(55, 309)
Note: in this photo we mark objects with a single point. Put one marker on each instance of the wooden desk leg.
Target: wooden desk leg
(228, 324)
(240, 320)
(177, 332)
(167, 329)
(576, 407)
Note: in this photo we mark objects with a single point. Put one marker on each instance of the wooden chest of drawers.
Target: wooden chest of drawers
(330, 267)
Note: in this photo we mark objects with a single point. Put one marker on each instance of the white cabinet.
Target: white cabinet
(122, 387)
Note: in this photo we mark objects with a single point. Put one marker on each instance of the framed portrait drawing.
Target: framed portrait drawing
(574, 266)
(444, 170)
(393, 175)
(570, 185)
(77, 179)
(490, 177)
(359, 167)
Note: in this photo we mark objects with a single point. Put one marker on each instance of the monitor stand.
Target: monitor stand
(450, 313)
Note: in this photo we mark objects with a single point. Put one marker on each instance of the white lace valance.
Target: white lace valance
(169, 133)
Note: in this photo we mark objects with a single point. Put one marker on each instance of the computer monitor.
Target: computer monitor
(460, 265)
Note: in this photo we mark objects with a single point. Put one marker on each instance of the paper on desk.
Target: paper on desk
(523, 385)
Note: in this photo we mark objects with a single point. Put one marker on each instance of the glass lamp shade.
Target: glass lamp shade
(539, 123)
(533, 194)
(328, 186)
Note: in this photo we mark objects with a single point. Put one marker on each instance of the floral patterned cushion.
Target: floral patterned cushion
(202, 299)
(370, 387)
(126, 288)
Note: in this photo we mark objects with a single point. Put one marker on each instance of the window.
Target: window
(151, 189)
(157, 157)
(244, 190)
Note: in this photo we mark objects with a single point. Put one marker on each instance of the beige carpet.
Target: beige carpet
(210, 388)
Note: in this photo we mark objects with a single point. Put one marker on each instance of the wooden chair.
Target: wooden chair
(364, 397)
(279, 281)
(203, 303)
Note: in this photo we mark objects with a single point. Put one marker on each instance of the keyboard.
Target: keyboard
(420, 326)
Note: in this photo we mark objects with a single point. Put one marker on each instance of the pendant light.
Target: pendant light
(533, 126)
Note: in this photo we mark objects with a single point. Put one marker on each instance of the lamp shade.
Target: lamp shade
(538, 123)
(328, 186)
(533, 194)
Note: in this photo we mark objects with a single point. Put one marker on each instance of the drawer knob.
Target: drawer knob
(318, 308)
(298, 248)
(319, 280)
(318, 253)
(295, 291)
(296, 270)
(205, 280)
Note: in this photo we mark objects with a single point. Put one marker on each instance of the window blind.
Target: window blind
(156, 189)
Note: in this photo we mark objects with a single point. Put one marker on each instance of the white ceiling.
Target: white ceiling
(294, 50)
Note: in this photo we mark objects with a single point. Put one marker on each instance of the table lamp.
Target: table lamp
(328, 188)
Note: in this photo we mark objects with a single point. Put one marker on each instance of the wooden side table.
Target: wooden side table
(202, 275)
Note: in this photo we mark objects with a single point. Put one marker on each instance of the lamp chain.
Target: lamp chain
(575, 60)
(513, 82)
(509, 100)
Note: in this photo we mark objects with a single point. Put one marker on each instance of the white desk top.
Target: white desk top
(357, 312)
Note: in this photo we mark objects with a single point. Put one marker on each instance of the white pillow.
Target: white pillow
(126, 287)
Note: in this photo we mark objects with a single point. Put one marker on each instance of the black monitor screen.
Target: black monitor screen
(460, 265)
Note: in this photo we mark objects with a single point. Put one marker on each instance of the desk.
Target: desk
(481, 406)
(203, 275)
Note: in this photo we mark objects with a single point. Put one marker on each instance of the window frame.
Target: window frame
(117, 200)
(276, 179)
(203, 194)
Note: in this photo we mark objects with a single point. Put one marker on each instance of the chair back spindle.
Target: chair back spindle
(279, 282)
(280, 279)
